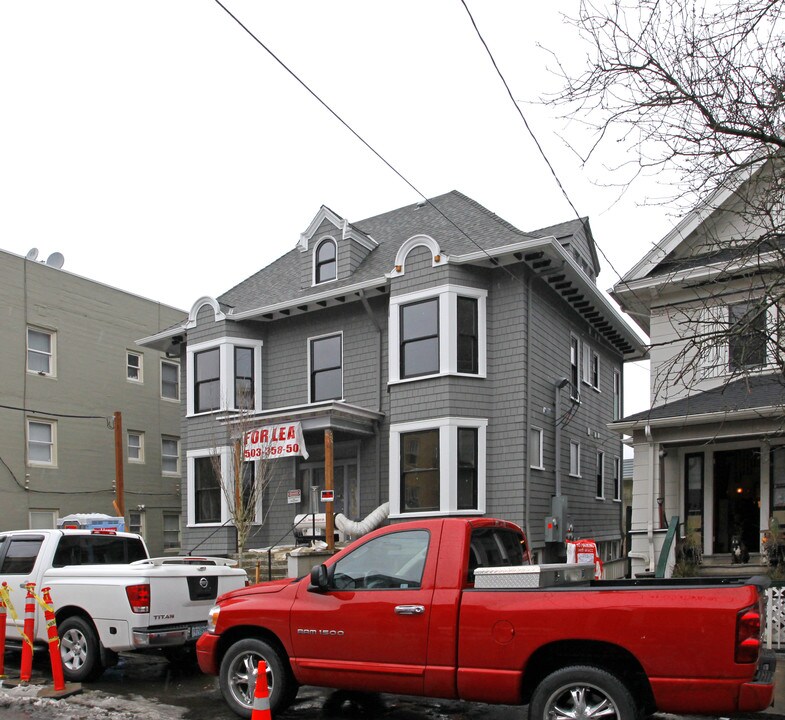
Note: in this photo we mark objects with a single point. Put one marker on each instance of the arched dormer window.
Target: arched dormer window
(324, 263)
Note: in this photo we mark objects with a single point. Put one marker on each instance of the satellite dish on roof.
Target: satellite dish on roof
(32, 254)
(55, 260)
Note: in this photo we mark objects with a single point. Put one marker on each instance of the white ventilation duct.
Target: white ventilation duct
(371, 522)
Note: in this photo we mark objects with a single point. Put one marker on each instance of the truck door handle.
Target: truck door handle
(409, 609)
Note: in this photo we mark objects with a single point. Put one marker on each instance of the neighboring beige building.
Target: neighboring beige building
(68, 362)
(711, 450)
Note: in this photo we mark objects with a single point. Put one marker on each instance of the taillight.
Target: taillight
(139, 597)
(748, 635)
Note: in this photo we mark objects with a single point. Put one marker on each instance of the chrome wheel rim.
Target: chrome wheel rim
(580, 702)
(73, 649)
(242, 677)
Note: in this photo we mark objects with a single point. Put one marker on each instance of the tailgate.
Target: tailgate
(182, 594)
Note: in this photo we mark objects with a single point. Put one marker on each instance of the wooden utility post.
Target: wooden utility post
(329, 485)
(119, 502)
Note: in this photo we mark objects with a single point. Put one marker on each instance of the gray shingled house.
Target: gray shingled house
(448, 362)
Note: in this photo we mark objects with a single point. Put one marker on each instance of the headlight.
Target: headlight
(212, 618)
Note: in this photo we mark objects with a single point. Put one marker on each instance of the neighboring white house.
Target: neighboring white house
(711, 448)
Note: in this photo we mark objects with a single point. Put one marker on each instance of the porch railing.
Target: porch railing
(775, 618)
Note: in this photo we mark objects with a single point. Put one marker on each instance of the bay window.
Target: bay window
(224, 375)
(438, 466)
(438, 331)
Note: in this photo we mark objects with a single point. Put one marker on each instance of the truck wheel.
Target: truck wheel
(582, 692)
(237, 677)
(80, 650)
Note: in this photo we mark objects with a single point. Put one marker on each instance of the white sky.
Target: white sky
(161, 150)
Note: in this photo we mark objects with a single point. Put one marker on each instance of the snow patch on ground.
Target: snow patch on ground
(87, 705)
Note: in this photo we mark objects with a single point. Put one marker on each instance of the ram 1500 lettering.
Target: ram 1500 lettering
(446, 608)
(109, 595)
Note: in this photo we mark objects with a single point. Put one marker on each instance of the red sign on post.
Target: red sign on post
(328, 496)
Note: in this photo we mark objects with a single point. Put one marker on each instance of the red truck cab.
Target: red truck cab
(401, 611)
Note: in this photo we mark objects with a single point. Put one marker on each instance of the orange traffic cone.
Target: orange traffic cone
(28, 633)
(3, 621)
(261, 698)
(61, 689)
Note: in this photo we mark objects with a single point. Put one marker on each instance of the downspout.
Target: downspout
(650, 494)
(526, 463)
(369, 312)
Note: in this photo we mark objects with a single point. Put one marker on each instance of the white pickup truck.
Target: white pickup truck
(109, 596)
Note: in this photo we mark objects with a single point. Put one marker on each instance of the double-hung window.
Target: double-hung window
(40, 351)
(420, 338)
(617, 478)
(224, 375)
(600, 475)
(134, 367)
(747, 336)
(244, 377)
(535, 448)
(207, 380)
(438, 331)
(170, 455)
(575, 367)
(326, 368)
(575, 458)
(170, 380)
(438, 466)
(41, 443)
(207, 506)
(135, 447)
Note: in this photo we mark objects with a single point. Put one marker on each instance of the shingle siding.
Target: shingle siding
(528, 350)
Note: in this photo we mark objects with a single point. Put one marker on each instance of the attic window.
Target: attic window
(325, 264)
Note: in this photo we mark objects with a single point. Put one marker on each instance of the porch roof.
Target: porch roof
(333, 415)
(755, 396)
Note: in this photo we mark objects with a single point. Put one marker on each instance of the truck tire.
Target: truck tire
(237, 677)
(80, 650)
(582, 691)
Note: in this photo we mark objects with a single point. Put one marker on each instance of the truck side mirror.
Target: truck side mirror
(319, 579)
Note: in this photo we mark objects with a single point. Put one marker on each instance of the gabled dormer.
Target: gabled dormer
(332, 249)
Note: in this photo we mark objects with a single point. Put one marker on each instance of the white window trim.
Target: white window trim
(577, 445)
(179, 531)
(538, 465)
(140, 435)
(52, 351)
(308, 352)
(448, 319)
(224, 452)
(575, 389)
(316, 246)
(140, 379)
(600, 467)
(167, 473)
(448, 464)
(161, 388)
(37, 463)
(226, 370)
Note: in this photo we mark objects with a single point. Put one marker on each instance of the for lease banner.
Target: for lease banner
(274, 441)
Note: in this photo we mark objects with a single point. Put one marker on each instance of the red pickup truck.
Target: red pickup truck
(407, 609)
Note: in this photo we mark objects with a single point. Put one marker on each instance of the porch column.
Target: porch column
(329, 485)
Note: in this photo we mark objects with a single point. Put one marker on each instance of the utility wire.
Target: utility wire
(531, 132)
(360, 137)
(54, 414)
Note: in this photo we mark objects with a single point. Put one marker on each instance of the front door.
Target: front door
(737, 499)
